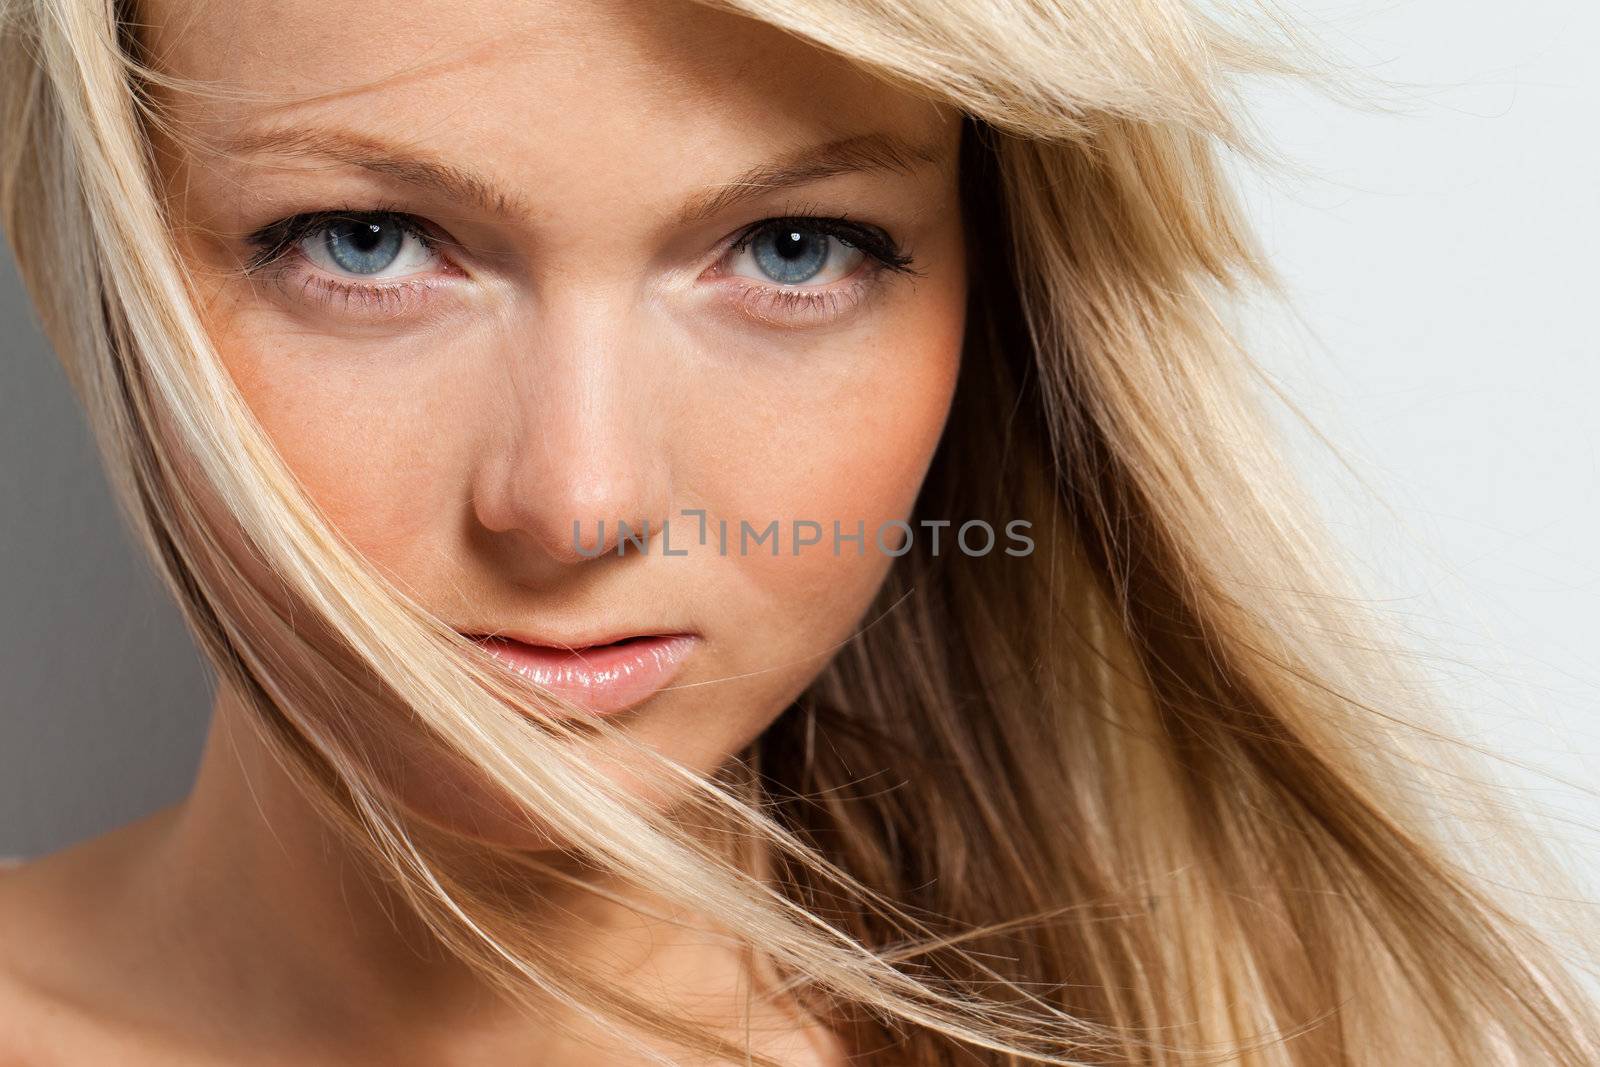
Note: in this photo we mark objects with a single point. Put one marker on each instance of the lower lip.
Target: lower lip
(600, 678)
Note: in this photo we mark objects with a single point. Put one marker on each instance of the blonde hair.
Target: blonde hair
(1148, 796)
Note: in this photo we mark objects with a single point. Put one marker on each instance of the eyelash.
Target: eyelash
(823, 303)
(277, 242)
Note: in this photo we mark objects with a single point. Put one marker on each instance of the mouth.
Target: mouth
(602, 677)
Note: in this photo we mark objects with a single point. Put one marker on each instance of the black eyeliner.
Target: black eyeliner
(869, 239)
(274, 240)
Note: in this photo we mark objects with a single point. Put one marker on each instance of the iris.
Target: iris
(791, 255)
(363, 246)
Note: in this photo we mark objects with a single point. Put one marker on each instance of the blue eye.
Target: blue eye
(374, 246)
(789, 252)
(791, 255)
(363, 246)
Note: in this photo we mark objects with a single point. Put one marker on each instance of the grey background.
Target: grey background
(1441, 258)
(103, 702)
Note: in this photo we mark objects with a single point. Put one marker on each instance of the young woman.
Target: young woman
(729, 533)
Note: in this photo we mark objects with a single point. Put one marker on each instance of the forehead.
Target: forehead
(613, 72)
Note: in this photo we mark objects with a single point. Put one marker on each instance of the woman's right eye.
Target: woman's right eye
(349, 245)
(370, 248)
(376, 262)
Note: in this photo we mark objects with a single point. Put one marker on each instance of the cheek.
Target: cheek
(373, 450)
(853, 447)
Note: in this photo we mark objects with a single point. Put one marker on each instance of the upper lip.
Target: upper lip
(571, 643)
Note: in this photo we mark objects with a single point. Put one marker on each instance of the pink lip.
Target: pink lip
(600, 678)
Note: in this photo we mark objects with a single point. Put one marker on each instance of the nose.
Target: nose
(579, 459)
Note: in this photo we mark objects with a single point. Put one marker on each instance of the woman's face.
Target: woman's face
(491, 269)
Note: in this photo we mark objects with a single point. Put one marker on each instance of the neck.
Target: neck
(247, 870)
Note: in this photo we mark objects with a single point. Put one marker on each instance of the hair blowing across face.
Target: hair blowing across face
(1150, 796)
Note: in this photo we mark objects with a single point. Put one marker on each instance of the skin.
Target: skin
(573, 348)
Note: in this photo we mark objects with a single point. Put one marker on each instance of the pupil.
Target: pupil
(792, 246)
(367, 236)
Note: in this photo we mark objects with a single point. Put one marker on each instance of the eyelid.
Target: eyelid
(280, 255)
(278, 239)
(873, 240)
(799, 305)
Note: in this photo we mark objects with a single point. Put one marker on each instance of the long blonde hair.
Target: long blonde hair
(1153, 794)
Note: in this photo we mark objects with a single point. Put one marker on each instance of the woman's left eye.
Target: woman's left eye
(794, 254)
(811, 268)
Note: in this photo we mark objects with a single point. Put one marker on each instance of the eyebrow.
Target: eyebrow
(859, 153)
(378, 157)
(869, 152)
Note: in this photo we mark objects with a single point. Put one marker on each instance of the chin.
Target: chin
(454, 798)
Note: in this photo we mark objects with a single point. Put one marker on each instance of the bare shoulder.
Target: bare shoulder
(38, 1026)
(56, 912)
